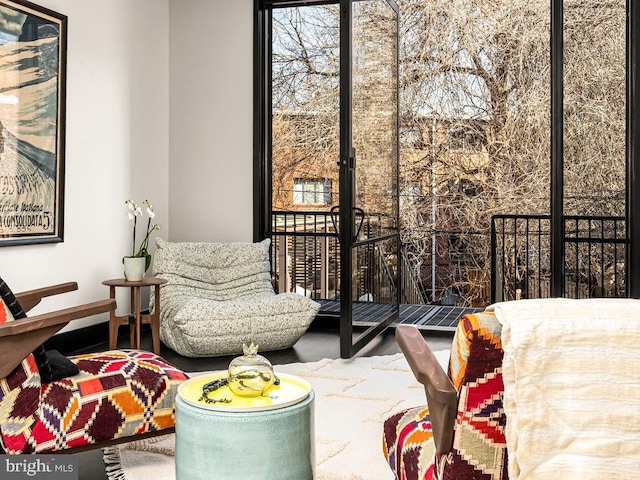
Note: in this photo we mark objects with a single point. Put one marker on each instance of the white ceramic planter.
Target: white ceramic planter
(134, 268)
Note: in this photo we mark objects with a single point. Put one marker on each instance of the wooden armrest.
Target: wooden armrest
(21, 337)
(442, 397)
(31, 298)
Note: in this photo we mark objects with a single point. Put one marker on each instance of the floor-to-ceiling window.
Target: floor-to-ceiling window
(519, 112)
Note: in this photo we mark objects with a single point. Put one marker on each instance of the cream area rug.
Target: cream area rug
(353, 397)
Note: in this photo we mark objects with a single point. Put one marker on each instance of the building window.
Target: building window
(311, 191)
(412, 192)
(465, 140)
(411, 137)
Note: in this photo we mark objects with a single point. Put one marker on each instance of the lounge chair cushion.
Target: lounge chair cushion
(5, 313)
(219, 296)
(475, 368)
(19, 402)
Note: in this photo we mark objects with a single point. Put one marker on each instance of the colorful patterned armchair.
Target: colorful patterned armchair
(461, 435)
(536, 389)
(51, 403)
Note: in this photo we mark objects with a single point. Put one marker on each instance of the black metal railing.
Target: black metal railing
(305, 254)
(411, 293)
(305, 258)
(594, 256)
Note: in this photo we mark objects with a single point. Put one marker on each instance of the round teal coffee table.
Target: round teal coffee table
(238, 438)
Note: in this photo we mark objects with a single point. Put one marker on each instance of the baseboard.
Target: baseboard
(96, 337)
(79, 339)
(86, 339)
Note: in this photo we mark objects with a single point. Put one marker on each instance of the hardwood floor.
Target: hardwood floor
(319, 342)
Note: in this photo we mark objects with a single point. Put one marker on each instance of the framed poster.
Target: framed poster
(33, 44)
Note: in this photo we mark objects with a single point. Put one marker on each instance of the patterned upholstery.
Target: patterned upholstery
(479, 448)
(116, 394)
(219, 296)
(19, 391)
(19, 405)
(5, 312)
(408, 444)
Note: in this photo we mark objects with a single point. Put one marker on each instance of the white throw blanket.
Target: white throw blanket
(572, 388)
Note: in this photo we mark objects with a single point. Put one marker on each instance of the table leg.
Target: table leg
(132, 318)
(155, 321)
(113, 322)
(138, 318)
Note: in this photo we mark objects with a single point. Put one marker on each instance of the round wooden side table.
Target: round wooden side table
(135, 319)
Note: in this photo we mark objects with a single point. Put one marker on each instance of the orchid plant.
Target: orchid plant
(133, 212)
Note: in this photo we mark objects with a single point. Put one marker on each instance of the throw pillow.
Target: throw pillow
(5, 313)
(61, 366)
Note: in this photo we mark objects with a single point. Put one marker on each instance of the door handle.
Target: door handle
(335, 212)
(359, 215)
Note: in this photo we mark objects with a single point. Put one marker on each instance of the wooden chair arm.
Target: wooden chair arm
(21, 337)
(31, 298)
(442, 397)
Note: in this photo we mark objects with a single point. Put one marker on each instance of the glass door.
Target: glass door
(369, 159)
(326, 137)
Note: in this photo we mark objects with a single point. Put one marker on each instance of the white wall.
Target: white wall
(116, 146)
(211, 78)
(159, 106)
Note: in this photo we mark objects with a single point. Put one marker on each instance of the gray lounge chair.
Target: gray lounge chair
(219, 296)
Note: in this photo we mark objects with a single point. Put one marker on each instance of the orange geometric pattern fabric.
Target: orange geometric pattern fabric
(479, 446)
(118, 393)
(408, 444)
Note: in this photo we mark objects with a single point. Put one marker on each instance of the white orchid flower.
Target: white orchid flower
(135, 211)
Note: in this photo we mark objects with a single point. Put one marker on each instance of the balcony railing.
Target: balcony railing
(594, 257)
(306, 259)
(305, 254)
